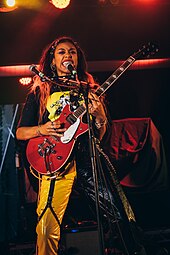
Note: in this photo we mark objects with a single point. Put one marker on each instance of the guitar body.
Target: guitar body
(47, 154)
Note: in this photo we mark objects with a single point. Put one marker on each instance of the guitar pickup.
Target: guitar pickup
(71, 119)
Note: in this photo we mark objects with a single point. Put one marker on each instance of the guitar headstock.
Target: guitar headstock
(146, 51)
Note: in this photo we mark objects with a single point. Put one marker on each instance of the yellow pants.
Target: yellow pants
(48, 228)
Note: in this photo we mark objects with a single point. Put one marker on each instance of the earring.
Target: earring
(53, 69)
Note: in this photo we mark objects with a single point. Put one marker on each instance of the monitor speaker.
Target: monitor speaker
(82, 243)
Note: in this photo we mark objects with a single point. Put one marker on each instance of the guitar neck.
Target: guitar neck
(79, 111)
(119, 71)
(109, 82)
(146, 50)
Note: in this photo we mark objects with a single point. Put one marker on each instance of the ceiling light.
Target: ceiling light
(61, 4)
(7, 6)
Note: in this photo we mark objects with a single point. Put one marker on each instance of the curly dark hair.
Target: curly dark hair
(48, 55)
(45, 65)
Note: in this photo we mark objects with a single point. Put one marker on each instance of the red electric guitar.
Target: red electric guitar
(47, 154)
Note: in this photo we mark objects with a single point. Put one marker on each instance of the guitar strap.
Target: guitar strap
(130, 231)
(49, 201)
(118, 188)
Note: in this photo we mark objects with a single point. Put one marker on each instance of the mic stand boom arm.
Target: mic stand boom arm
(63, 82)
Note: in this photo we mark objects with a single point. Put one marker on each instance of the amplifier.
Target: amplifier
(82, 242)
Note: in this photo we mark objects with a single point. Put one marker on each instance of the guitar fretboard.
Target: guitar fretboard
(109, 82)
(80, 110)
(77, 113)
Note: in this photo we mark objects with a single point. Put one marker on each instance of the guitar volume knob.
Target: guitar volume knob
(59, 157)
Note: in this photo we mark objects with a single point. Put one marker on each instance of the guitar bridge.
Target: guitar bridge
(46, 148)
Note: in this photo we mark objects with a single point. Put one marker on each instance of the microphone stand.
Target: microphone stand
(93, 155)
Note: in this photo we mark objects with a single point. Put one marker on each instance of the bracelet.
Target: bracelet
(100, 124)
(38, 131)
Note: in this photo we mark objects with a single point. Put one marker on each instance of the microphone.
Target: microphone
(34, 69)
(70, 67)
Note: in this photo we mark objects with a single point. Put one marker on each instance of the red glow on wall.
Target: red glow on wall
(18, 70)
(93, 66)
(146, 1)
(146, 63)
